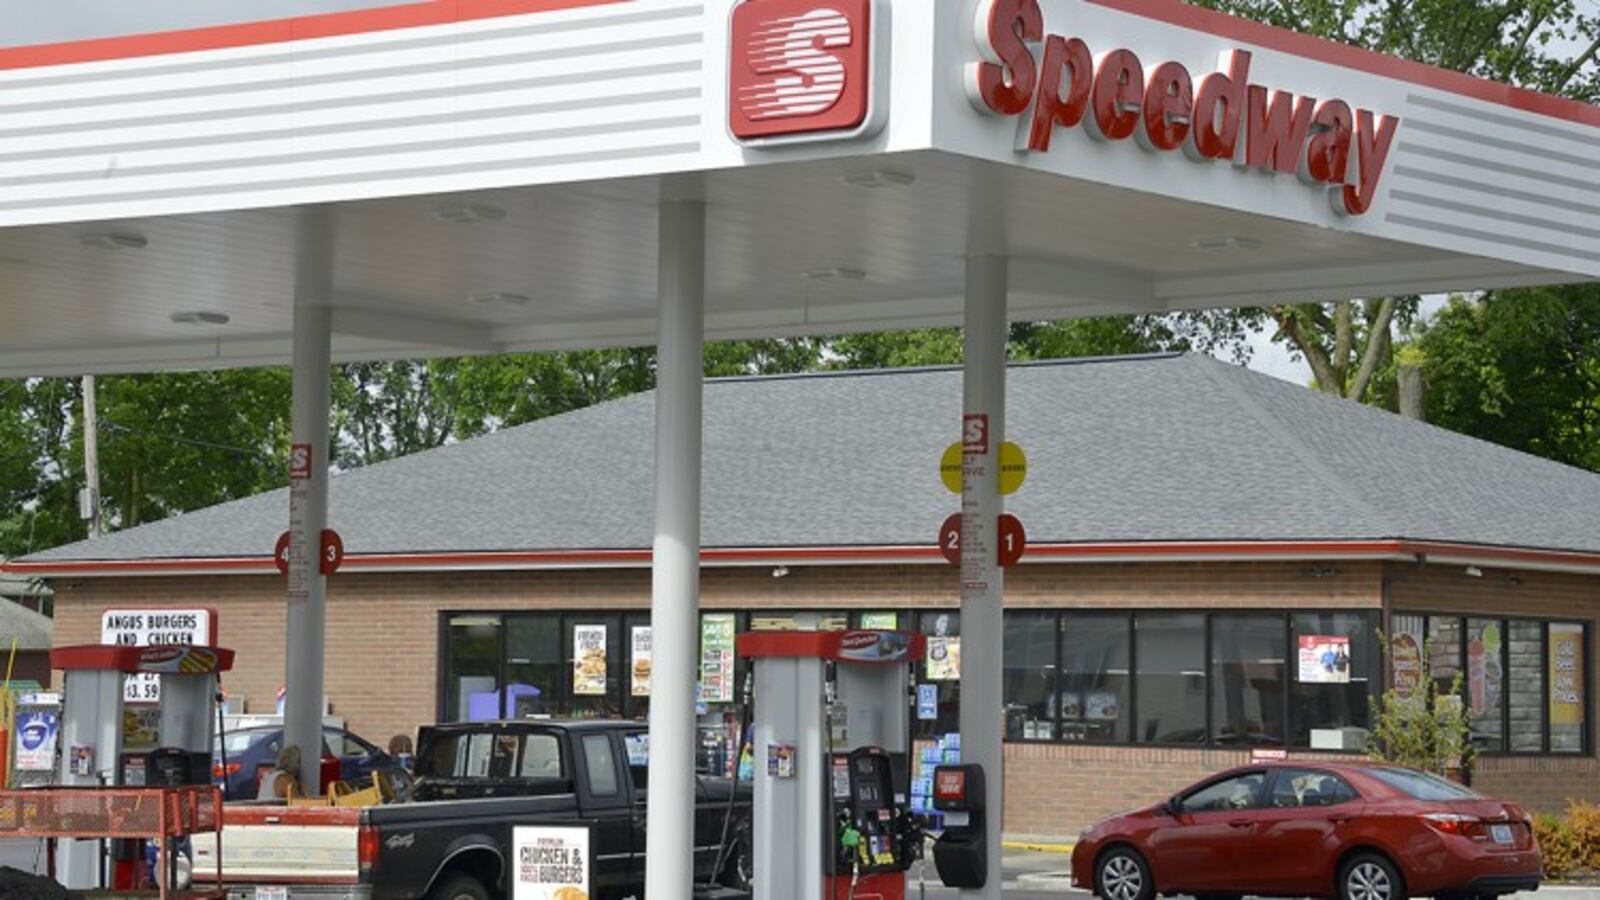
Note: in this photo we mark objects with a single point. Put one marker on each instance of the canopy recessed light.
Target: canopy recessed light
(499, 298)
(469, 213)
(836, 275)
(1220, 244)
(879, 178)
(114, 240)
(200, 317)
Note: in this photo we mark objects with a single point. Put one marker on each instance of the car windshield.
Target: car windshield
(1422, 786)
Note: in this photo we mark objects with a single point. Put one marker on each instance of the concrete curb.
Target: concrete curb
(1037, 846)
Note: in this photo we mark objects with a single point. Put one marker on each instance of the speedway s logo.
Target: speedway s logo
(803, 70)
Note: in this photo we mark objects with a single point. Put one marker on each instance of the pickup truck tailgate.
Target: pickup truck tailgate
(277, 844)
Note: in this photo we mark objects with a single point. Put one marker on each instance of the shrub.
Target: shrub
(1429, 730)
(1557, 844)
(1583, 820)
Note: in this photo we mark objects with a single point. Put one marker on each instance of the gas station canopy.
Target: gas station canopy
(494, 170)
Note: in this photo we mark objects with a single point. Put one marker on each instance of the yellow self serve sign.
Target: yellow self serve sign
(1013, 468)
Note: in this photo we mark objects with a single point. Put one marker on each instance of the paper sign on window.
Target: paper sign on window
(589, 660)
(1324, 659)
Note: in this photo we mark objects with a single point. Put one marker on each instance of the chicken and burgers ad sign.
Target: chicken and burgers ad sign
(1055, 82)
(551, 863)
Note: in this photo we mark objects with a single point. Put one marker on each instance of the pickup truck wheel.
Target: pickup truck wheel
(458, 887)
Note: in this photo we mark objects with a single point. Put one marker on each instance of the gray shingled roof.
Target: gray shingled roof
(1134, 449)
(32, 630)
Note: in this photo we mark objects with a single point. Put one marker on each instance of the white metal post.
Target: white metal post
(675, 583)
(308, 494)
(983, 428)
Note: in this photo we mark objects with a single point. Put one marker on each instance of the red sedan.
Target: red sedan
(1345, 830)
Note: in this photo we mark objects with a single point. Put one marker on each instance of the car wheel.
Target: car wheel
(458, 887)
(1368, 876)
(1122, 874)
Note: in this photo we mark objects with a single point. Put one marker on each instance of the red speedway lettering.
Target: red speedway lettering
(1225, 117)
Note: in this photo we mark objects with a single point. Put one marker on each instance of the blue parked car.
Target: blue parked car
(253, 750)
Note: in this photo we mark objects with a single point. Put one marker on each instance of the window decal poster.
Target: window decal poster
(641, 661)
(1406, 661)
(36, 741)
(552, 863)
(1566, 674)
(589, 660)
(716, 657)
(1324, 659)
(944, 658)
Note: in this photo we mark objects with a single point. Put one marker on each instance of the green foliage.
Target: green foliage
(1547, 45)
(1520, 367)
(1429, 730)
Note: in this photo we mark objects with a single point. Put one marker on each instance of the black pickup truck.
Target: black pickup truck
(449, 836)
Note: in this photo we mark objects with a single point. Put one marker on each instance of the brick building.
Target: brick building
(1211, 555)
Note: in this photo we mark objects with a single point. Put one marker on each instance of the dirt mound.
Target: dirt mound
(19, 885)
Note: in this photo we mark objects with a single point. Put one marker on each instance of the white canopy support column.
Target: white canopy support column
(675, 585)
(308, 493)
(982, 431)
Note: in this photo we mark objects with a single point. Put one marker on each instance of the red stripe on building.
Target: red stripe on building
(1246, 31)
(273, 31)
(1155, 551)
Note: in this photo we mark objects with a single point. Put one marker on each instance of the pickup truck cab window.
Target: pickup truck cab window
(541, 756)
(484, 754)
(602, 765)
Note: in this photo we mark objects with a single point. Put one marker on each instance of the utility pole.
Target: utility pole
(89, 503)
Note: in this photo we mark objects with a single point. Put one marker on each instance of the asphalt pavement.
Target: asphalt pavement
(1026, 875)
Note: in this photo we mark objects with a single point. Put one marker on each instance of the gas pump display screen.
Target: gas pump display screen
(871, 781)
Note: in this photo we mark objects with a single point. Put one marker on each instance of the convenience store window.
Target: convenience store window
(1170, 677)
(940, 672)
(1096, 677)
(1248, 662)
(1028, 675)
(1523, 681)
(1334, 678)
(1192, 678)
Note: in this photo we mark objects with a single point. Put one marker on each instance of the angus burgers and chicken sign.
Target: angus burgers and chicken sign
(1062, 82)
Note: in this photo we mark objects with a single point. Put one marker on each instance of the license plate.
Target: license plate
(272, 893)
(1501, 834)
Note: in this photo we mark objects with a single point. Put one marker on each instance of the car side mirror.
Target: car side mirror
(1171, 807)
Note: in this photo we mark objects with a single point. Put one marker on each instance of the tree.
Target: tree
(1519, 367)
(1547, 45)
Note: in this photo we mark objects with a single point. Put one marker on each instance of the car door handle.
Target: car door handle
(1241, 823)
(1339, 818)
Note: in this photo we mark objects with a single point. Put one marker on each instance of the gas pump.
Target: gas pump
(92, 726)
(831, 818)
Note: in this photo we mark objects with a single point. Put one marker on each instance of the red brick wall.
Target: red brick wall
(382, 667)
